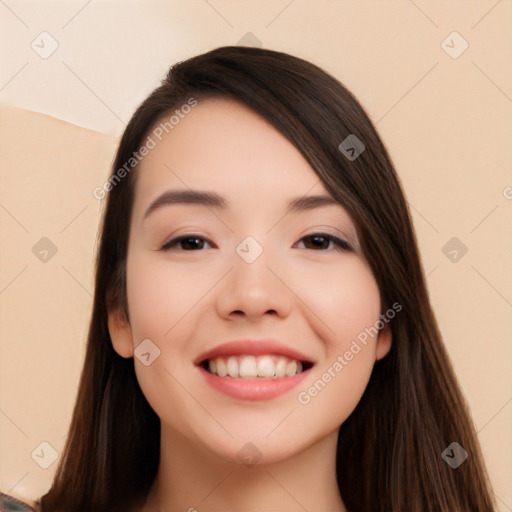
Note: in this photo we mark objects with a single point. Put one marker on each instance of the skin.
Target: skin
(188, 301)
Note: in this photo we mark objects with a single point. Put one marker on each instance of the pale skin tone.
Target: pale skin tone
(312, 297)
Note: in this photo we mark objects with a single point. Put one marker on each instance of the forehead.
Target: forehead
(221, 141)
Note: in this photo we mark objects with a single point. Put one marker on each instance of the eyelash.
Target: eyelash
(342, 245)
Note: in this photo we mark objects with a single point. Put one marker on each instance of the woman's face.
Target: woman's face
(249, 268)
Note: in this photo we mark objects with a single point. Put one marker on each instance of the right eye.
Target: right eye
(185, 243)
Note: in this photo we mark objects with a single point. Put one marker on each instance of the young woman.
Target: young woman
(262, 337)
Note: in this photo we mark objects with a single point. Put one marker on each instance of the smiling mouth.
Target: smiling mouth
(245, 367)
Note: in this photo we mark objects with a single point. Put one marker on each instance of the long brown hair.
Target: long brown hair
(389, 449)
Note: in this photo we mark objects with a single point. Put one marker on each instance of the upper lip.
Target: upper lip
(253, 347)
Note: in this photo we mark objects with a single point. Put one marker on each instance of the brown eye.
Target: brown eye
(185, 243)
(321, 241)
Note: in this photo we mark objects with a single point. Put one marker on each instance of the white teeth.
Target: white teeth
(281, 367)
(221, 367)
(291, 368)
(232, 367)
(247, 367)
(265, 366)
(251, 367)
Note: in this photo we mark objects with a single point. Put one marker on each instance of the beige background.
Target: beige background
(445, 120)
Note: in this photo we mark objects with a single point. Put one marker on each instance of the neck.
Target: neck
(193, 479)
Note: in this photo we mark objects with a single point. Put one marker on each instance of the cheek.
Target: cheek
(344, 298)
(347, 303)
(161, 296)
(163, 303)
(331, 397)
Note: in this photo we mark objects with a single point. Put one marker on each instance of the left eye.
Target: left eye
(322, 241)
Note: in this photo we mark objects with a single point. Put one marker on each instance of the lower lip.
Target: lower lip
(253, 389)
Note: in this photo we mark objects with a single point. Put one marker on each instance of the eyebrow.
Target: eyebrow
(214, 200)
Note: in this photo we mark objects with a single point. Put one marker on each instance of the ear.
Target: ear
(120, 333)
(383, 342)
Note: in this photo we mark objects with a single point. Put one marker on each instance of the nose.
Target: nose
(254, 290)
